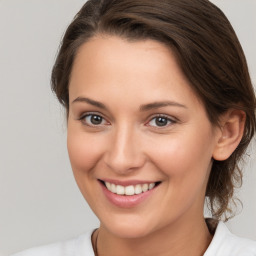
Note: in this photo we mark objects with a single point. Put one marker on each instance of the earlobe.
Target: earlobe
(231, 133)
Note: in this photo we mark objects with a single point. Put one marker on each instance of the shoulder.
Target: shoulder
(228, 244)
(72, 247)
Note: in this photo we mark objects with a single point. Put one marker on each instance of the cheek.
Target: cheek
(185, 162)
(185, 159)
(84, 151)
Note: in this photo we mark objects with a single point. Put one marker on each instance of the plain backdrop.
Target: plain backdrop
(39, 200)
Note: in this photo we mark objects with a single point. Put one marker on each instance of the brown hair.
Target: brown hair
(208, 52)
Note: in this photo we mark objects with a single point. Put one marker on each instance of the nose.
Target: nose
(124, 154)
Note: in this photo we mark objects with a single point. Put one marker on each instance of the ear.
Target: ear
(231, 132)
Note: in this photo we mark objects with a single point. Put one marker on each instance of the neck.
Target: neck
(180, 239)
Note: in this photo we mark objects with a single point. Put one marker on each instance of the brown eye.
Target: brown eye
(160, 121)
(93, 120)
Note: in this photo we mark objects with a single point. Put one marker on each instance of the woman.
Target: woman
(160, 109)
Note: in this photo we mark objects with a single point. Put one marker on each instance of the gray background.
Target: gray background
(39, 200)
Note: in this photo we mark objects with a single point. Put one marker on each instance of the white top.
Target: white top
(224, 243)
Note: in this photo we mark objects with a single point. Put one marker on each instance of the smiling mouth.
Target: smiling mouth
(129, 190)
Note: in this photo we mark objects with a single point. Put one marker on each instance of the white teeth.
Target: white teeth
(119, 190)
(108, 185)
(151, 185)
(138, 189)
(129, 190)
(113, 188)
(145, 187)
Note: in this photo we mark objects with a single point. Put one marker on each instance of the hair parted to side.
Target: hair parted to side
(207, 50)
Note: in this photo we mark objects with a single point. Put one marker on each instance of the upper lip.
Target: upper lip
(127, 182)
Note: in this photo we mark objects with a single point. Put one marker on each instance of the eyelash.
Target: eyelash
(169, 120)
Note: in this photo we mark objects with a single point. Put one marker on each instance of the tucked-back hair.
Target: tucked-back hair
(208, 53)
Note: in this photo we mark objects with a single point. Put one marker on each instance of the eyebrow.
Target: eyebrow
(146, 107)
(91, 102)
(160, 104)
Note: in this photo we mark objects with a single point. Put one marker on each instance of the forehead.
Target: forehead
(105, 51)
(108, 65)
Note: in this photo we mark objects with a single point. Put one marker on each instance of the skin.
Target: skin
(129, 145)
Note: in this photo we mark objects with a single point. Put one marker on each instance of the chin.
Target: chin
(125, 231)
(130, 227)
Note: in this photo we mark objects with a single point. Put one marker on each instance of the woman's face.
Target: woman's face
(134, 123)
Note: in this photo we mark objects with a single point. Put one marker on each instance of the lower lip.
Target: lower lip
(124, 201)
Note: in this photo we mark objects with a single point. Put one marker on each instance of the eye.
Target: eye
(93, 120)
(160, 121)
